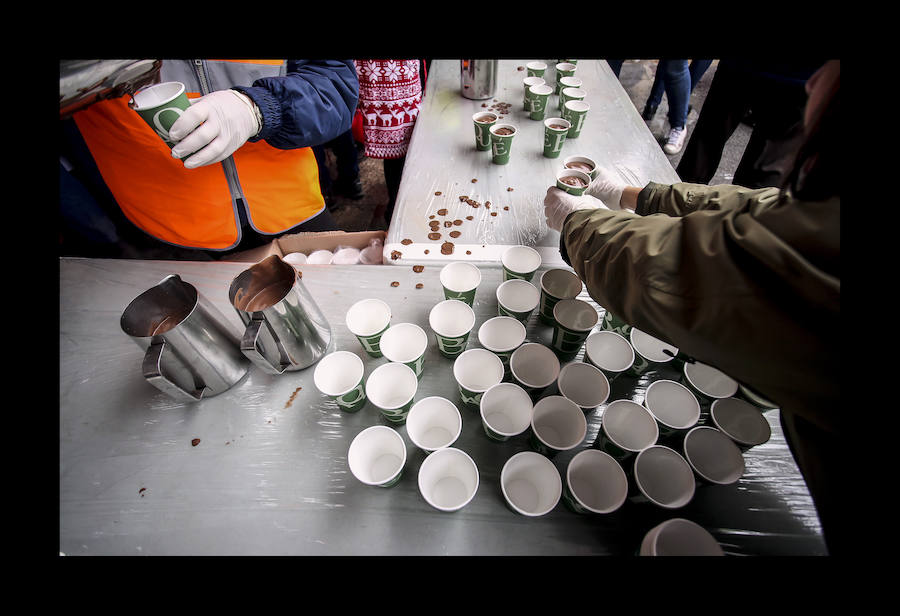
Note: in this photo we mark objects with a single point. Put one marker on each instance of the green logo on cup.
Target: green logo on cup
(353, 400)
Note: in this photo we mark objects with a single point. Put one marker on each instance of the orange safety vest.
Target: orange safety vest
(198, 208)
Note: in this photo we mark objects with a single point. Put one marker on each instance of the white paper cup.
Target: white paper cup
(339, 375)
(448, 479)
(391, 387)
(610, 352)
(295, 258)
(595, 483)
(502, 336)
(557, 424)
(346, 256)
(517, 298)
(714, 457)
(530, 483)
(583, 384)
(405, 343)
(460, 281)
(649, 352)
(433, 422)
(376, 456)
(506, 411)
(673, 405)
(367, 319)
(740, 421)
(534, 368)
(520, 262)
(451, 320)
(708, 383)
(320, 257)
(679, 537)
(476, 371)
(626, 428)
(662, 477)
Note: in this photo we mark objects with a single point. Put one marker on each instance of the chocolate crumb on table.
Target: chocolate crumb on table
(448, 223)
(419, 285)
(468, 252)
(396, 254)
(418, 268)
(469, 217)
(505, 207)
(457, 222)
(195, 442)
(427, 251)
(447, 248)
(509, 189)
(474, 180)
(434, 236)
(406, 242)
(455, 234)
(395, 284)
(442, 211)
(437, 193)
(493, 213)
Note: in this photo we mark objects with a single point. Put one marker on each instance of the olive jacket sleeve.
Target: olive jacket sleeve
(736, 278)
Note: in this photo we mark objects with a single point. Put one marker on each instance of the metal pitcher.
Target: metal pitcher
(191, 350)
(285, 330)
(478, 78)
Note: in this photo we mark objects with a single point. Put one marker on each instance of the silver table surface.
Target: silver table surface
(442, 158)
(270, 475)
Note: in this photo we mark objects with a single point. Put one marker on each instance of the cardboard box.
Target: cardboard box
(308, 242)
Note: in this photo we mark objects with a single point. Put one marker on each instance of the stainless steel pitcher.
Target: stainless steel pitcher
(191, 350)
(478, 78)
(285, 330)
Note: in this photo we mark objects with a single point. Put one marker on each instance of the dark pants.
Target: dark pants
(346, 157)
(777, 108)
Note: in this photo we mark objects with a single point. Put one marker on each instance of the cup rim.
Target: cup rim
(627, 402)
(640, 332)
(687, 369)
(680, 461)
(582, 421)
(565, 64)
(577, 105)
(566, 172)
(488, 395)
(542, 460)
(695, 406)
(510, 252)
(459, 265)
(580, 80)
(549, 353)
(543, 89)
(536, 83)
(752, 411)
(358, 363)
(537, 65)
(590, 368)
(729, 445)
(548, 127)
(179, 91)
(571, 279)
(448, 404)
(477, 114)
(383, 368)
(386, 351)
(473, 352)
(582, 306)
(605, 332)
(470, 317)
(650, 540)
(493, 129)
(581, 91)
(580, 158)
(431, 460)
(520, 327)
(620, 478)
(373, 301)
(517, 282)
(396, 436)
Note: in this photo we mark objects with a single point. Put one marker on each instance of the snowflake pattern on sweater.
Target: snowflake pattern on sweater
(390, 95)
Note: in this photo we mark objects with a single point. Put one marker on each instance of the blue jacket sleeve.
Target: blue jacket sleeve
(310, 105)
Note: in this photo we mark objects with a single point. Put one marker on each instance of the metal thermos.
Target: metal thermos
(478, 78)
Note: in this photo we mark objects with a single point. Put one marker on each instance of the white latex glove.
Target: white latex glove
(213, 127)
(558, 204)
(606, 188)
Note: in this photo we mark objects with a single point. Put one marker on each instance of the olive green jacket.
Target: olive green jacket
(737, 279)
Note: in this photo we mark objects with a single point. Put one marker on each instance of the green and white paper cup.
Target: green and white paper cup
(557, 284)
(405, 343)
(501, 142)
(674, 407)
(476, 371)
(448, 479)
(530, 484)
(740, 421)
(502, 336)
(662, 477)
(568, 82)
(517, 298)
(595, 483)
(707, 383)
(433, 422)
(534, 368)
(615, 324)
(576, 113)
(563, 69)
(520, 262)
(626, 428)
(715, 458)
(679, 537)
(460, 281)
(573, 321)
(377, 456)
(557, 425)
(609, 352)
(573, 181)
(536, 68)
(505, 411)
(555, 131)
(583, 384)
(528, 82)
(368, 319)
(339, 375)
(391, 387)
(650, 353)
(537, 99)
(160, 105)
(582, 163)
(483, 120)
(570, 94)
(451, 321)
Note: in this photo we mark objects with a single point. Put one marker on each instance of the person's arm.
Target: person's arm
(310, 105)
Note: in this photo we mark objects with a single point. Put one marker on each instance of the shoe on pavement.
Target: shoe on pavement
(352, 189)
(675, 141)
(649, 111)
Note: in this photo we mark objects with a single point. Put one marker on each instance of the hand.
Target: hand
(213, 127)
(558, 204)
(607, 189)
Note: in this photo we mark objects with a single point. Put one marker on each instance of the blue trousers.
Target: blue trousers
(677, 78)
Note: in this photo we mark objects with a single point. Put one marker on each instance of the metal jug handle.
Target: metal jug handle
(250, 347)
(152, 371)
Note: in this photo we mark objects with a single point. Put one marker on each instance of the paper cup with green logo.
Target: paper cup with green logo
(448, 479)
(576, 113)
(536, 68)
(679, 537)
(674, 407)
(650, 353)
(530, 484)
(368, 319)
(568, 82)
(377, 456)
(460, 281)
(502, 336)
(505, 411)
(715, 458)
(483, 120)
(557, 284)
(662, 477)
(563, 69)
(451, 321)
(405, 343)
(520, 262)
(534, 368)
(582, 163)
(740, 421)
(517, 298)
(537, 99)
(555, 131)
(570, 94)
(610, 352)
(707, 383)
(476, 371)
(501, 142)
(626, 428)
(557, 425)
(528, 82)
(573, 321)
(595, 483)
(391, 387)
(573, 181)
(433, 422)
(160, 105)
(583, 384)
(615, 324)
(339, 375)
